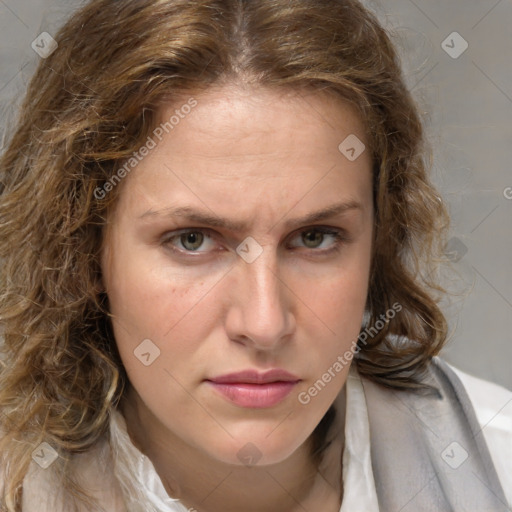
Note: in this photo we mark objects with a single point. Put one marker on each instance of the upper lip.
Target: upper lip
(255, 377)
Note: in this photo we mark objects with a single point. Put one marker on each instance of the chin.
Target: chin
(256, 450)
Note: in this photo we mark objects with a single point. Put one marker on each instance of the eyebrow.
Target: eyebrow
(212, 220)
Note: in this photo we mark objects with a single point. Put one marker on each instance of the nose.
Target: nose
(260, 314)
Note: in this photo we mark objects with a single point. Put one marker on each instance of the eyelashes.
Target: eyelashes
(188, 242)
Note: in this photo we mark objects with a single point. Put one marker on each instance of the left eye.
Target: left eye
(313, 238)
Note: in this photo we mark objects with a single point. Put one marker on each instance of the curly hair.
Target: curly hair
(92, 103)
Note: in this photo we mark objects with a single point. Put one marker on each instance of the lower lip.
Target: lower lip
(255, 396)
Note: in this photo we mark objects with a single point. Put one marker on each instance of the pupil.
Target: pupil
(316, 238)
(194, 239)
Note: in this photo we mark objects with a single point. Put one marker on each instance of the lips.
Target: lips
(254, 377)
(251, 389)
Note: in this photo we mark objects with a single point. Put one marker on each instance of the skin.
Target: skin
(264, 158)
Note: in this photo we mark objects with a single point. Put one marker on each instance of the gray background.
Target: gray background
(467, 104)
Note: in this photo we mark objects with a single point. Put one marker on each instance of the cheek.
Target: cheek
(156, 320)
(339, 297)
(158, 331)
(149, 299)
(338, 304)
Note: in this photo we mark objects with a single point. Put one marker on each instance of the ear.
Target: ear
(99, 286)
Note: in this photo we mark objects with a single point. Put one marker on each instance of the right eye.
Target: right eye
(187, 241)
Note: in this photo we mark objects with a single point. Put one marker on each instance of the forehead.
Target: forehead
(243, 113)
(238, 149)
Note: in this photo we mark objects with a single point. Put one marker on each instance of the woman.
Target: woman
(218, 246)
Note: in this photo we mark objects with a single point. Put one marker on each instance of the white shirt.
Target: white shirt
(493, 407)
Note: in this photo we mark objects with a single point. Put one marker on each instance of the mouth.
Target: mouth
(255, 390)
(254, 396)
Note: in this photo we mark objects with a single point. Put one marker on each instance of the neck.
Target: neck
(208, 485)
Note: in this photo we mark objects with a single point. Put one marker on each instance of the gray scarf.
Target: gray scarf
(428, 451)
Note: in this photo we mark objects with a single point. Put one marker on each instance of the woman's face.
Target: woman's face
(217, 260)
